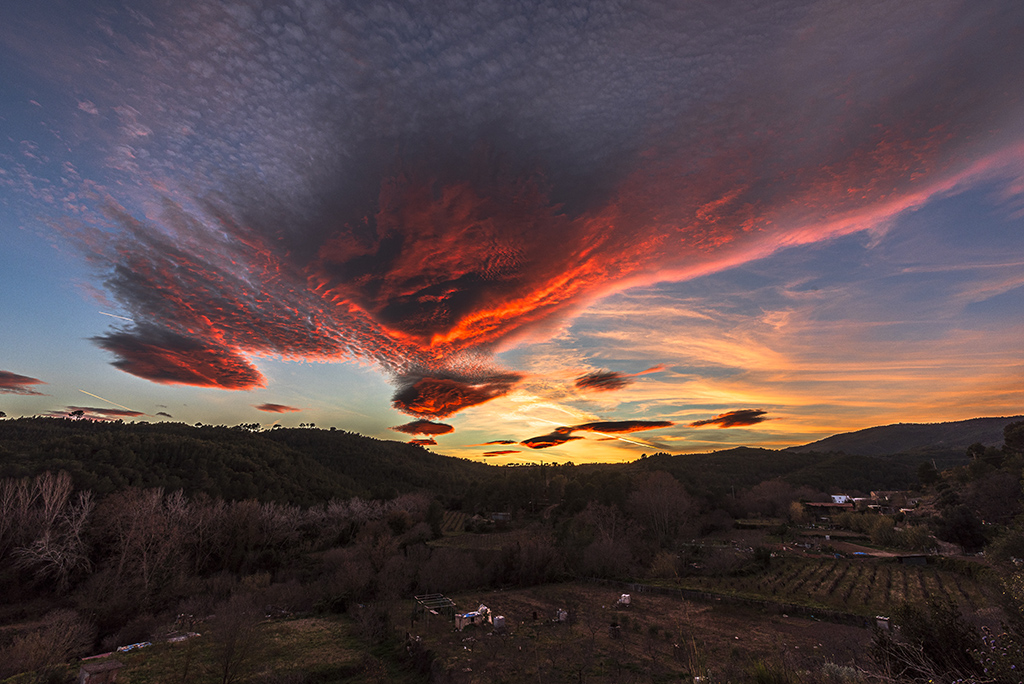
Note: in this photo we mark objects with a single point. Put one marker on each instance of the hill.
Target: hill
(299, 466)
(922, 439)
(744, 467)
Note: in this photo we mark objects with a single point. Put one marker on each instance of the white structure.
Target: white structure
(624, 600)
(840, 498)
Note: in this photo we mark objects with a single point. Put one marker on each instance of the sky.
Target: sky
(514, 231)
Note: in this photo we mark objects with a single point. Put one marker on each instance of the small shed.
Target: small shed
(101, 672)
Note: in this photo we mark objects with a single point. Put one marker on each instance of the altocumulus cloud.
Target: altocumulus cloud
(423, 184)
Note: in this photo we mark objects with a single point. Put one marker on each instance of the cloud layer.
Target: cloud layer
(423, 185)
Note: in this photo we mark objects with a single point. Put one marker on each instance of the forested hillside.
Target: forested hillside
(299, 466)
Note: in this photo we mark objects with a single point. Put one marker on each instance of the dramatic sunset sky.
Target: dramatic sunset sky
(518, 231)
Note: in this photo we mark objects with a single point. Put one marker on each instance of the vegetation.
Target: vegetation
(114, 533)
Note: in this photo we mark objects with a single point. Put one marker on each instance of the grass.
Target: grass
(318, 649)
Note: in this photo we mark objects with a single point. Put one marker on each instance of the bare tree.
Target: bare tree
(61, 549)
(660, 504)
(237, 635)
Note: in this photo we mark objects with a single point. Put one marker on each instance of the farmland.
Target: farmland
(860, 586)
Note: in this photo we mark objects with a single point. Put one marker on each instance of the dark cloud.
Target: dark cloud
(164, 414)
(127, 413)
(12, 383)
(561, 435)
(736, 418)
(168, 358)
(558, 437)
(602, 381)
(623, 426)
(500, 453)
(424, 427)
(501, 441)
(90, 413)
(276, 408)
(429, 441)
(440, 397)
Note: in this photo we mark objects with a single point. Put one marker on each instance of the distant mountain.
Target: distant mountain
(925, 439)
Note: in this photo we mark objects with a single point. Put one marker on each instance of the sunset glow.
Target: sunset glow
(548, 227)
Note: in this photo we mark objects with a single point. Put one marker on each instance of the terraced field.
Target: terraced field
(454, 522)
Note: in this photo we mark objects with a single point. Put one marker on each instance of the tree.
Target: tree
(660, 504)
(1013, 439)
(237, 637)
(928, 473)
(959, 525)
(63, 635)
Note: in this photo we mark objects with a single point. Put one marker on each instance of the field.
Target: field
(660, 639)
(304, 649)
(861, 586)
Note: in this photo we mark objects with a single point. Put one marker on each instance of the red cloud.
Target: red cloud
(429, 441)
(424, 427)
(500, 453)
(276, 408)
(432, 233)
(501, 441)
(440, 397)
(12, 383)
(736, 418)
(168, 358)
